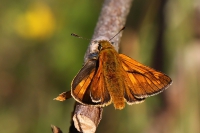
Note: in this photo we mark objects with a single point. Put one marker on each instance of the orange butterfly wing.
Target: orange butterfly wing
(80, 85)
(129, 96)
(98, 91)
(141, 80)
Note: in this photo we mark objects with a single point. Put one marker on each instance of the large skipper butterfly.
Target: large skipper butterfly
(108, 77)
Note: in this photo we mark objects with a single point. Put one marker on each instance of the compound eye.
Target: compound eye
(99, 47)
(112, 43)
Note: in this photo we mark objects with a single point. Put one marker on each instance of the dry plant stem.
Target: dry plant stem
(86, 118)
(111, 20)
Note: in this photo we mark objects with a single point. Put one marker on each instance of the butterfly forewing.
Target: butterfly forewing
(145, 81)
(81, 82)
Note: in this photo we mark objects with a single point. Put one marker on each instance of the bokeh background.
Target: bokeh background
(39, 58)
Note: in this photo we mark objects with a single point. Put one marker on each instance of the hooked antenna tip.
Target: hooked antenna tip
(123, 28)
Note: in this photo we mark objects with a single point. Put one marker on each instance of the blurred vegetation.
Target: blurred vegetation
(39, 58)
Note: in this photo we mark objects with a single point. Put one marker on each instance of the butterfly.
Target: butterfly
(108, 77)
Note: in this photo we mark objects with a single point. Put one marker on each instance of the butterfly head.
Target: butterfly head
(104, 44)
(97, 47)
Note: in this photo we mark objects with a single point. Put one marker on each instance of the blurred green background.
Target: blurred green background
(39, 58)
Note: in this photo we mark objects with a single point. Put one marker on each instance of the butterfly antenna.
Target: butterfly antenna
(117, 33)
(75, 35)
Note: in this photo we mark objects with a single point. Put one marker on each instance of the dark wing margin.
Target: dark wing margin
(143, 81)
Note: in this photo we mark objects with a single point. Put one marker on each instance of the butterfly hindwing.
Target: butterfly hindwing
(98, 91)
(129, 96)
